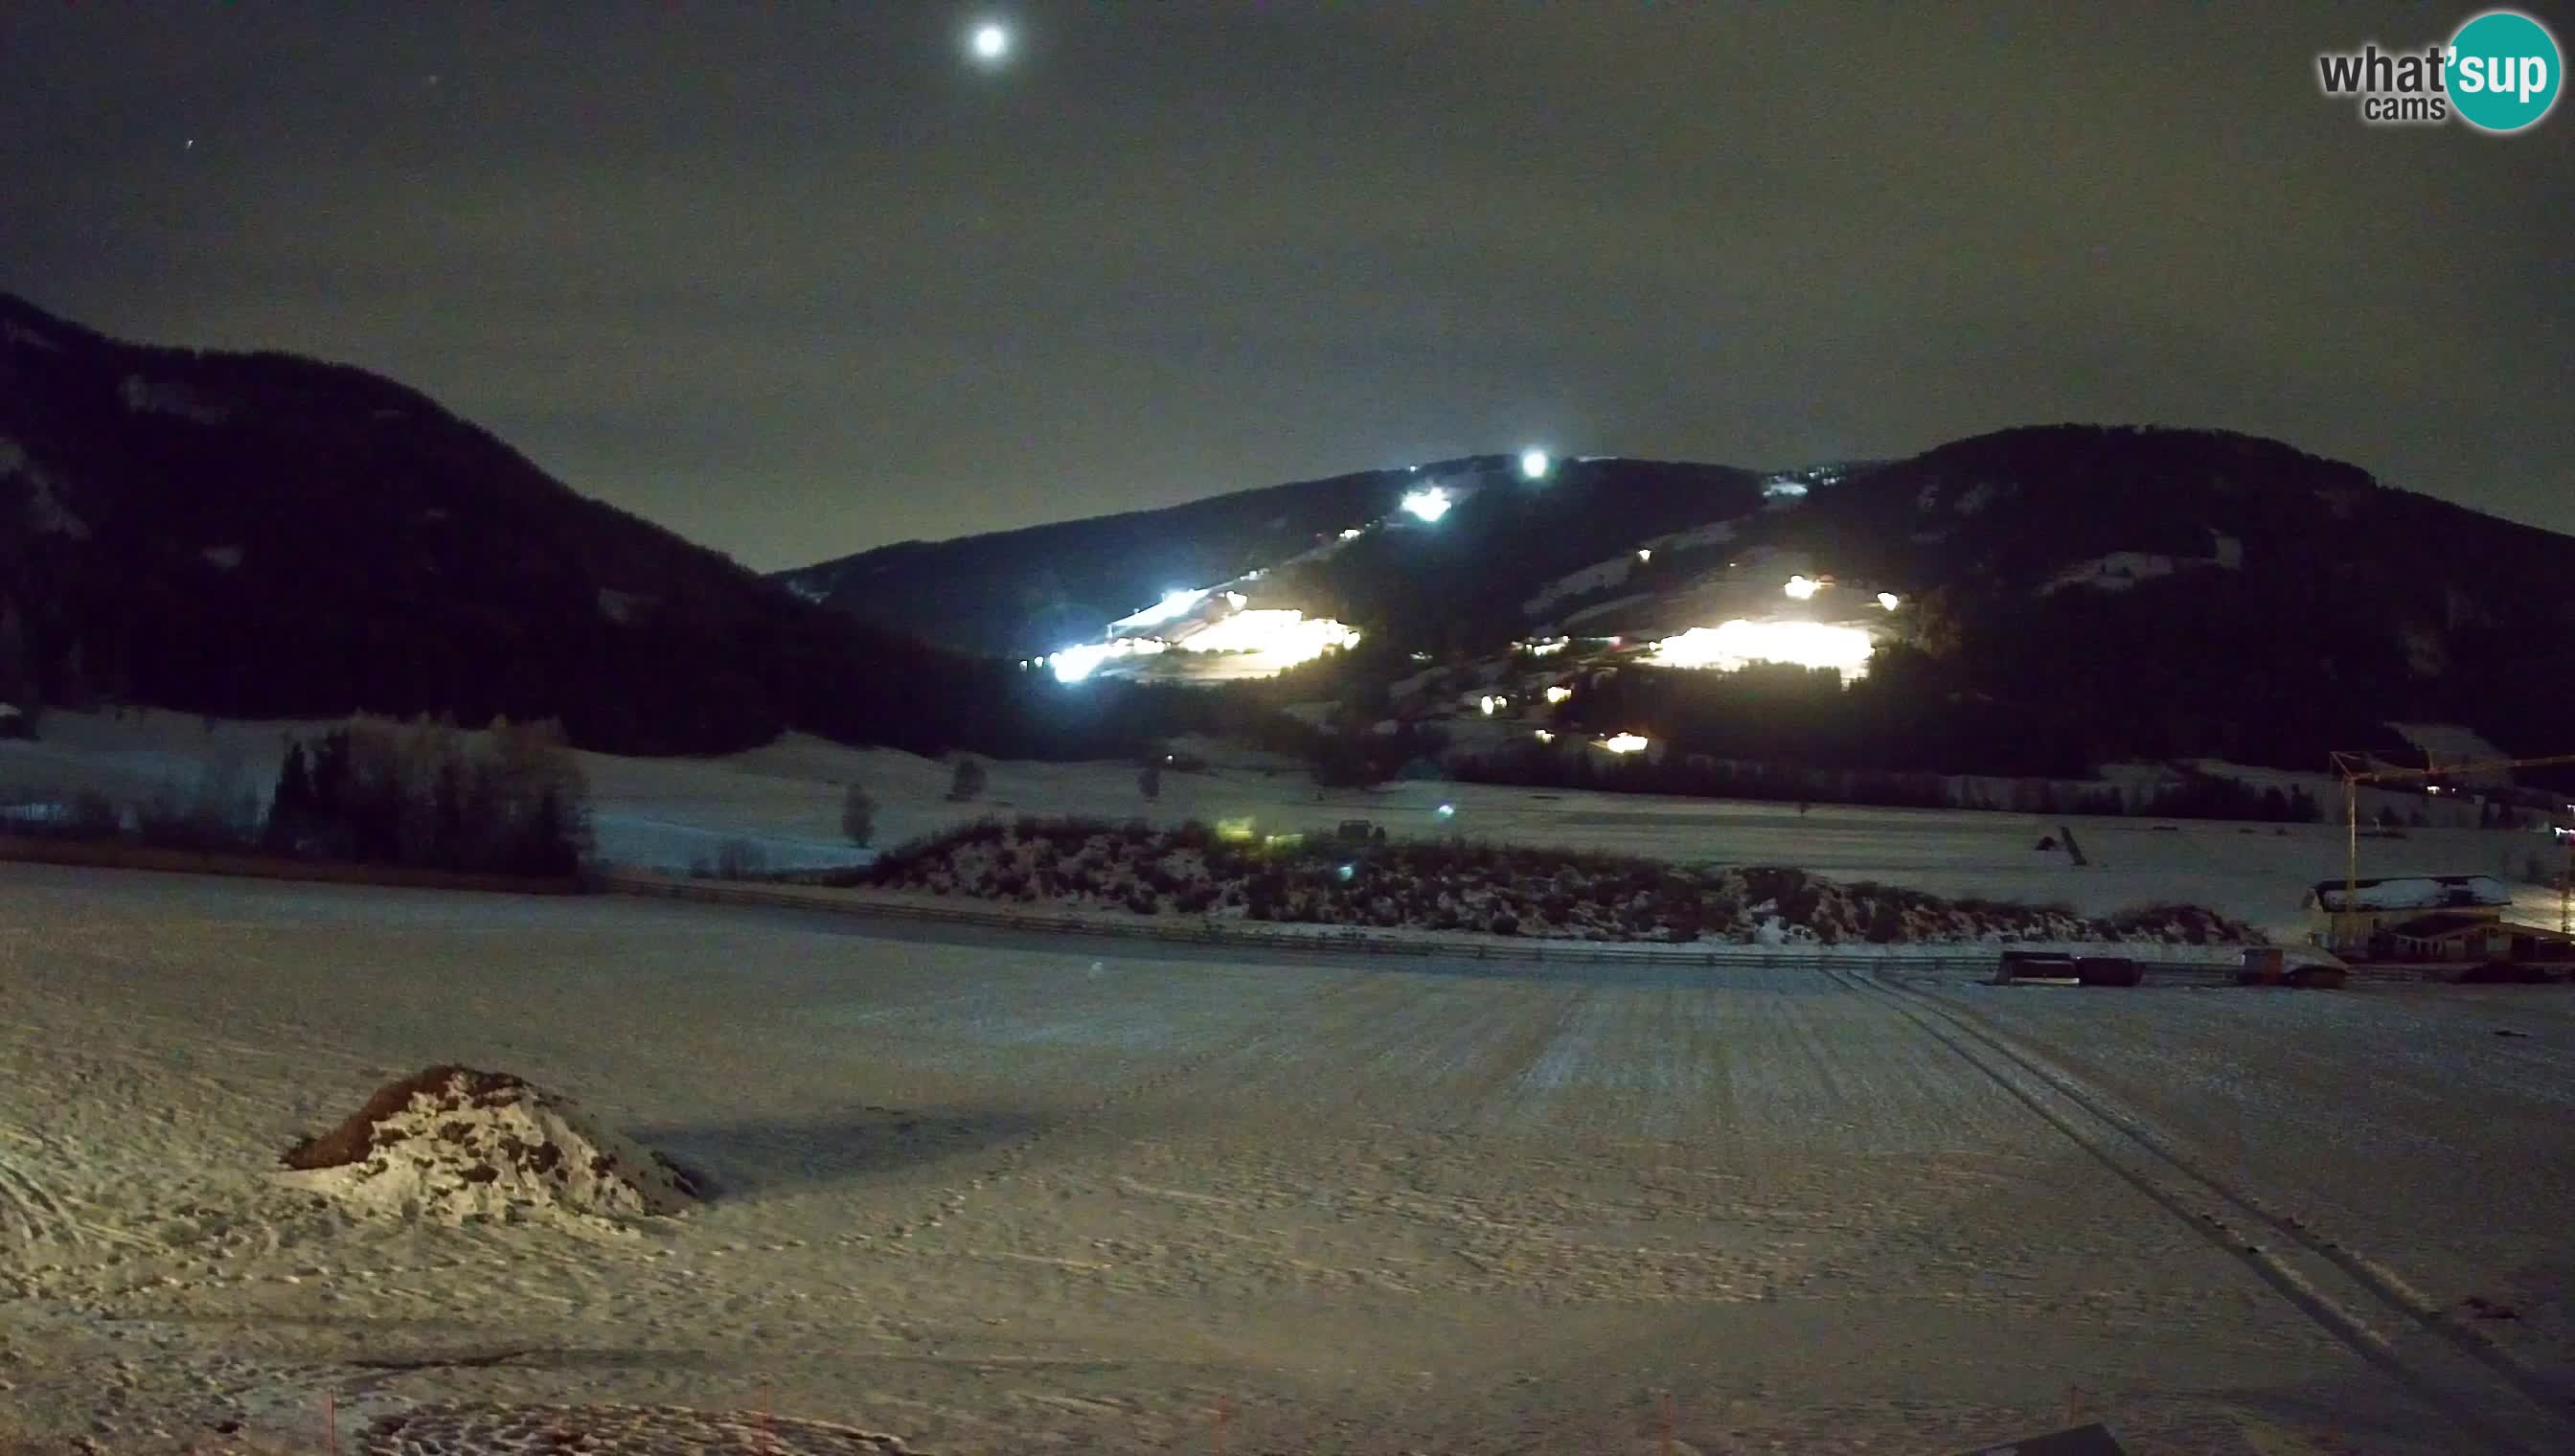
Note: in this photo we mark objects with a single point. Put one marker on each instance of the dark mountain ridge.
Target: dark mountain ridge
(262, 534)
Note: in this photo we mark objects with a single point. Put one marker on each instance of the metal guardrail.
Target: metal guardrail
(1360, 942)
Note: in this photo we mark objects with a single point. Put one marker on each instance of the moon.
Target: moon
(991, 42)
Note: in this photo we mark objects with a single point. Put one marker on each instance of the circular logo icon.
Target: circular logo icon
(2504, 71)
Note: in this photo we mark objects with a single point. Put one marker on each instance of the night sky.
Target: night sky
(799, 279)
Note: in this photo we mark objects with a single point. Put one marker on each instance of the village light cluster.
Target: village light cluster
(1736, 645)
(1428, 504)
(1172, 605)
(1273, 637)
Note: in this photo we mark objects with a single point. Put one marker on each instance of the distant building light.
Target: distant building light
(1645, 554)
(1534, 465)
(1544, 736)
(1350, 535)
(1447, 811)
(1624, 743)
(1801, 588)
(1558, 694)
(1889, 600)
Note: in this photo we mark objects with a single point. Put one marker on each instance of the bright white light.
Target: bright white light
(1545, 646)
(1558, 694)
(1077, 663)
(1739, 644)
(992, 42)
(1447, 811)
(1534, 465)
(1889, 600)
(1624, 743)
(1429, 504)
(1235, 599)
(1488, 704)
(1804, 587)
(1163, 610)
(1350, 535)
(1264, 641)
(1544, 736)
(1281, 638)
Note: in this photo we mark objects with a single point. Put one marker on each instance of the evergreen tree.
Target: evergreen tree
(447, 815)
(292, 809)
(858, 817)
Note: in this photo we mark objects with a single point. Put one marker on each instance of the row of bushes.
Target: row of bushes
(1457, 884)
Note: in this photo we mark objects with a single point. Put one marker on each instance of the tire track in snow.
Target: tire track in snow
(2382, 1281)
(2324, 1281)
(27, 1209)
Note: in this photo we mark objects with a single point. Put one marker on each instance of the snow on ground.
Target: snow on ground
(2450, 743)
(2417, 893)
(1615, 605)
(1598, 576)
(2409, 1126)
(2117, 571)
(987, 1193)
(162, 397)
(46, 512)
(1715, 533)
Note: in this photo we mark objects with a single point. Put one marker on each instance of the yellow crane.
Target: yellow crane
(2358, 769)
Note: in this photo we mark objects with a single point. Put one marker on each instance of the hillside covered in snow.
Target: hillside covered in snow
(2037, 601)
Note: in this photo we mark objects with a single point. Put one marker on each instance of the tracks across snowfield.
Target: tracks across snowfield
(2489, 1392)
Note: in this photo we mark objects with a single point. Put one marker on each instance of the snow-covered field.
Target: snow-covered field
(785, 798)
(991, 1194)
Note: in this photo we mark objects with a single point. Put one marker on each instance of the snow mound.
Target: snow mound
(2420, 893)
(451, 1142)
(610, 1430)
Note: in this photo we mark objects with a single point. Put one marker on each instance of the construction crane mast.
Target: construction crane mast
(2358, 769)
